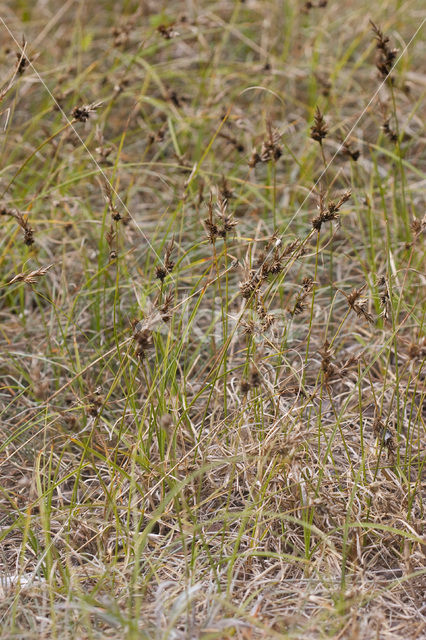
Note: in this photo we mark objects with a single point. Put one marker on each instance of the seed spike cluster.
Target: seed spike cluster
(109, 197)
(307, 287)
(22, 220)
(329, 210)
(385, 302)
(319, 130)
(219, 222)
(384, 435)
(385, 57)
(358, 304)
(83, 113)
(168, 264)
(418, 227)
(271, 149)
(30, 277)
(23, 61)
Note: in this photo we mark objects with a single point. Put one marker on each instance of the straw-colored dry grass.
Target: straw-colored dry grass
(212, 320)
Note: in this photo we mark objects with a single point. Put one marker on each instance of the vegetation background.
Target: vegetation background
(212, 309)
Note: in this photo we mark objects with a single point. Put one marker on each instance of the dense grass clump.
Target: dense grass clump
(212, 313)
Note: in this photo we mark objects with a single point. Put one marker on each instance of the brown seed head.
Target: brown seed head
(319, 129)
(385, 57)
(30, 277)
(82, 114)
(358, 304)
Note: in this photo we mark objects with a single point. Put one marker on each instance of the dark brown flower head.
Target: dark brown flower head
(175, 99)
(336, 205)
(168, 263)
(23, 63)
(273, 264)
(167, 31)
(212, 230)
(271, 258)
(384, 435)
(115, 214)
(389, 133)
(82, 114)
(308, 284)
(165, 309)
(244, 387)
(96, 400)
(23, 223)
(219, 223)
(227, 223)
(319, 129)
(417, 350)
(378, 426)
(358, 304)
(225, 192)
(29, 236)
(290, 248)
(142, 335)
(384, 297)
(329, 210)
(161, 273)
(418, 227)
(324, 83)
(110, 237)
(254, 159)
(250, 328)
(327, 367)
(300, 304)
(298, 308)
(386, 56)
(349, 151)
(271, 149)
(266, 319)
(121, 34)
(233, 140)
(255, 378)
(311, 5)
(249, 286)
